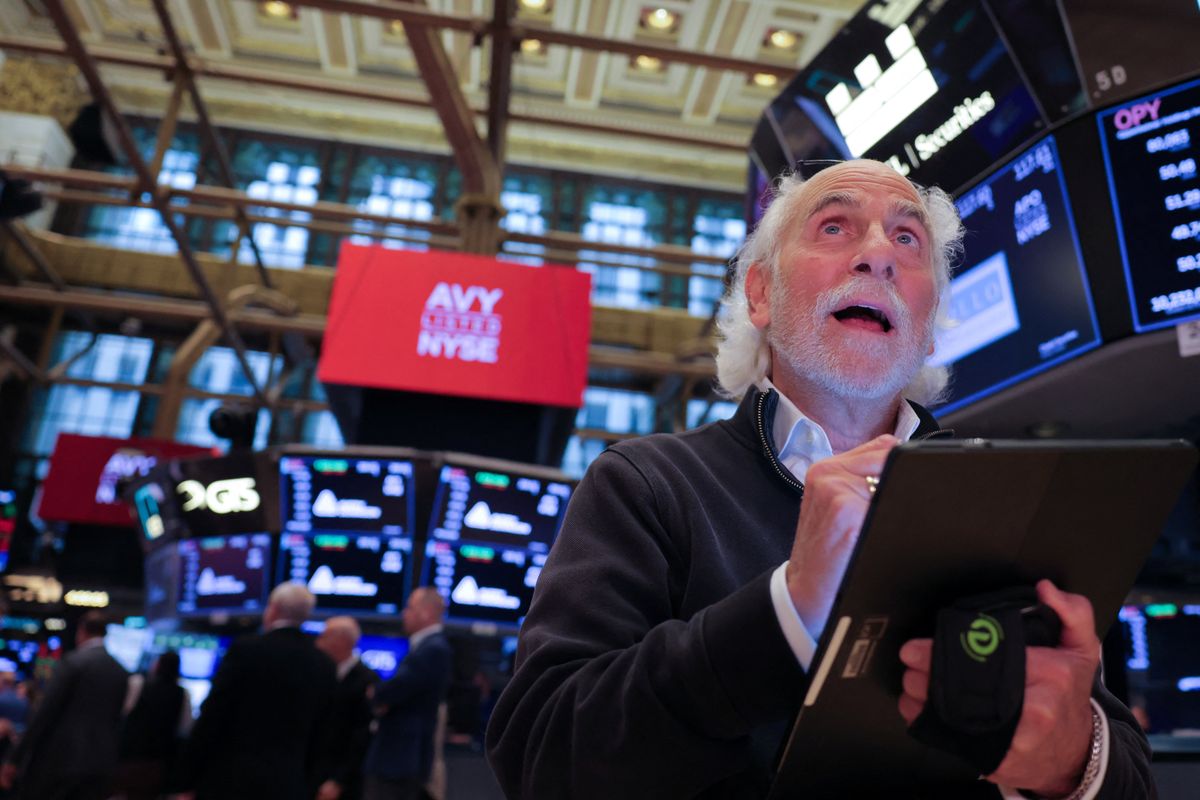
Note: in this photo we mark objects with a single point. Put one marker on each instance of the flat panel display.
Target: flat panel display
(483, 582)
(488, 505)
(1151, 146)
(382, 654)
(929, 87)
(490, 532)
(224, 574)
(1162, 664)
(1126, 48)
(1020, 302)
(343, 493)
(8, 524)
(349, 573)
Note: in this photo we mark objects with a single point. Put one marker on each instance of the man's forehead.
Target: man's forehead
(856, 182)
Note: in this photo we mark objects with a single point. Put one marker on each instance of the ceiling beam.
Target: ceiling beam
(500, 79)
(87, 66)
(339, 89)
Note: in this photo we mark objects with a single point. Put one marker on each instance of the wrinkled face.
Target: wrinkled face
(853, 304)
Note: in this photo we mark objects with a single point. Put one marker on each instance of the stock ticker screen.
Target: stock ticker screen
(349, 573)
(224, 574)
(929, 87)
(1162, 663)
(363, 495)
(1020, 302)
(490, 534)
(1150, 150)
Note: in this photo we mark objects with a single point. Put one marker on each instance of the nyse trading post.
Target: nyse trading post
(1020, 302)
(489, 537)
(1151, 146)
(346, 494)
(226, 574)
(349, 573)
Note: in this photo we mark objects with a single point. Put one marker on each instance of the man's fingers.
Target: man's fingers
(1075, 611)
(916, 685)
(917, 654)
(910, 708)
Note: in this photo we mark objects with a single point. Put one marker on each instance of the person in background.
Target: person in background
(69, 750)
(14, 707)
(153, 730)
(339, 766)
(400, 759)
(264, 720)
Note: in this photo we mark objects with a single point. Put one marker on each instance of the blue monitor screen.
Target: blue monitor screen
(1162, 662)
(1150, 147)
(382, 654)
(224, 574)
(1020, 302)
(349, 573)
(343, 493)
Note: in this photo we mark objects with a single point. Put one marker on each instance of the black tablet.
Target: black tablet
(953, 518)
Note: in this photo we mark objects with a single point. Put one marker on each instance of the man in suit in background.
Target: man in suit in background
(69, 750)
(339, 766)
(264, 721)
(401, 755)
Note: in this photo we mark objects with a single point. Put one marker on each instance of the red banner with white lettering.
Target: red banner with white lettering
(457, 324)
(81, 485)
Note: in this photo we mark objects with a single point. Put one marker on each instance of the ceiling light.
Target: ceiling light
(277, 9)
(660, 19)
(540, 6)
(765, 79)
(784, 40)
(648, 63)
(396, 28)
(533, 47)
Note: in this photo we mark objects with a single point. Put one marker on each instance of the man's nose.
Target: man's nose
(877, 256)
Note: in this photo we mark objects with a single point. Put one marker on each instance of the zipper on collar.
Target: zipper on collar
(760, 423)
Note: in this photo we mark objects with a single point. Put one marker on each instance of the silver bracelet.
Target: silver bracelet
(1092, 769)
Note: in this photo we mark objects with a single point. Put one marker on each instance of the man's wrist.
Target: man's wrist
(1088, 782)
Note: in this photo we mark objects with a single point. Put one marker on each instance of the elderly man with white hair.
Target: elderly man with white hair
(670, 637)
(263, 724)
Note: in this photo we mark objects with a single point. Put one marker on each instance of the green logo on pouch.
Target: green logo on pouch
(982, 638)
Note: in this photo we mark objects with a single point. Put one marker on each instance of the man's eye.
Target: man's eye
(831, 227)
(908, 238)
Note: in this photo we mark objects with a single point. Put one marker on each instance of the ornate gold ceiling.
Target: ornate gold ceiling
(702, 116)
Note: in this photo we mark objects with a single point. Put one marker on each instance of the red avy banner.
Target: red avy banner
(457, 324)
(81, 485)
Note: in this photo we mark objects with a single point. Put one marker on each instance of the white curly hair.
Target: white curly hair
(743, 355)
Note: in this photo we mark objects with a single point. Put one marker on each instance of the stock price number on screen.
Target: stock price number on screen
(1189, 230)
(1188, 263)
(1184, 169)
(1175, 301)
(1188, 199)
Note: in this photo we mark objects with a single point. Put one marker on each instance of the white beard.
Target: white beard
(799, 337)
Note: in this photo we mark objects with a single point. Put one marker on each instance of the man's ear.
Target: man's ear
(758, 293)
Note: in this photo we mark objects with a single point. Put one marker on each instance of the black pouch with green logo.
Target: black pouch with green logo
(977, 680)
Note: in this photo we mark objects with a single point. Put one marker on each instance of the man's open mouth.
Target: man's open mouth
(864, 316)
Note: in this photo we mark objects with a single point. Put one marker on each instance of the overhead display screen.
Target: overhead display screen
(1020, 302)
(349, 573)
(928, 87)
(1127, 48)
(483, 583)
(490, 533)
(324, 493)
(1150, 150)
(1162, 662)
(485, 505)
(224, 574)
